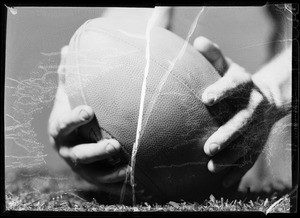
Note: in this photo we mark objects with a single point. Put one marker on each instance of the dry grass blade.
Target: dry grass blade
(270, 209)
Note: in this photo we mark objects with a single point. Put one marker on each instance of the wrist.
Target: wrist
(274, 81)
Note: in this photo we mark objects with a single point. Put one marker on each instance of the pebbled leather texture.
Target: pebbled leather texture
(105, 68)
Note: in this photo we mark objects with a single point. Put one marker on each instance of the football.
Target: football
(105, 69)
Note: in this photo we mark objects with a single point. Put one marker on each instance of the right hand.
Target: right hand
(82, 157)
(269, 100)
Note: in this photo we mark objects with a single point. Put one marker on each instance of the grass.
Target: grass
(36, 191)
(67, 202)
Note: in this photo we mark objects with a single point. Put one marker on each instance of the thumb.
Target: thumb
(212, 53)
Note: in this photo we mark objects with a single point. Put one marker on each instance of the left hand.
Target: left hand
(82, 155)
(250, 121)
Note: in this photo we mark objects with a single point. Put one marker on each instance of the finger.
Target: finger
(230, 130)
(235, 78)
(97, 173)
(91, 152)
(212, 53)
(228, 158)
(107, 176)
(70, 121)
(92, 173)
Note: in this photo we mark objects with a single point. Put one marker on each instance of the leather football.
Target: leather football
(105, 68)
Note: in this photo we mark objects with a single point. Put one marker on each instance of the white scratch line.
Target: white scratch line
(150, 24)
(191, 31)
(171, 66)
(9, 78)
(180, 165)
(12, 118)
(26, 157)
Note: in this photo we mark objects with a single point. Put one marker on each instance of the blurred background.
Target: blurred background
(35, 36)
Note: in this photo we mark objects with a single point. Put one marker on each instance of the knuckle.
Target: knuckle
(76, 157)
(111, 146)
(79, 155)
(240, 120)
(223, 86)
(224, 130)
(245, 116)
(256, 98)
(67, 153)
(213, 88)
(238, 75)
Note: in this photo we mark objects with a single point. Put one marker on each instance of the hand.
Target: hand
(82, 157)
(253, 121)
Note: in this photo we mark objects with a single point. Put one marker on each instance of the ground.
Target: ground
(28, 190)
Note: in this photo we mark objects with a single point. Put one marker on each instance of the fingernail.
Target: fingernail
(213, 148)
(210, 98)
(211, 167)
(84, 114)
(110, 149)
(64, 152)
